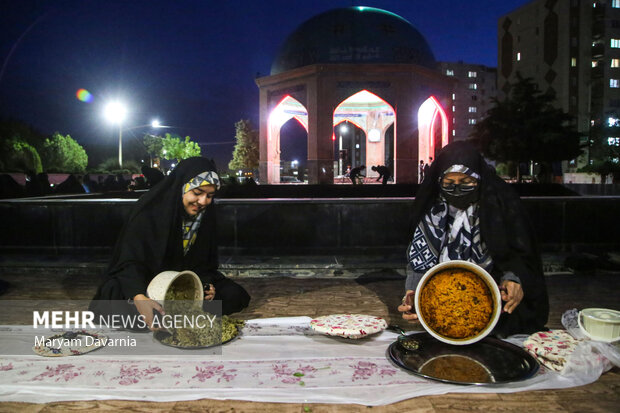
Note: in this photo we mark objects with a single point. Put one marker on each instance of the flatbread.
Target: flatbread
(348, 325)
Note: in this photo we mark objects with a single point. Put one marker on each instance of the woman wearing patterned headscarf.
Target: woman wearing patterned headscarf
(464, 211)
(171, 228)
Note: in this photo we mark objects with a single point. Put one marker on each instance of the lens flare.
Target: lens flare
(84, 95)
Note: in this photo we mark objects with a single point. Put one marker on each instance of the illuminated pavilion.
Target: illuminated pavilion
(362, 67)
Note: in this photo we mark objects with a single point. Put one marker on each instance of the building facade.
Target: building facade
(572, 48)
(472, 95)
(363, 84)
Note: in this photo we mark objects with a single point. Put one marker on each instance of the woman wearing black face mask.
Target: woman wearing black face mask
(464, 211)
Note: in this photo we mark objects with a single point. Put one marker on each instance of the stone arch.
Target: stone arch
(287, 108)
(373, 115)
(429, 114)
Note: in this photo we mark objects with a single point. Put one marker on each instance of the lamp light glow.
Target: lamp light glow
(115, 112)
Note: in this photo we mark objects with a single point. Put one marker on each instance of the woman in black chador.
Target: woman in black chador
(464, 211)
(171, 228)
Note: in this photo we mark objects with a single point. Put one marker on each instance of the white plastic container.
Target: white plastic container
(600, 324)
(159, 285)
(485, 276)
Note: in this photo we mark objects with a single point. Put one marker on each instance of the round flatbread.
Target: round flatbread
(69, 343)
(348, 325)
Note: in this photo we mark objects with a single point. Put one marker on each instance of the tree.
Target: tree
(153, 145)
(19, 156)
(246, 153)
(64, 154)
(604, 149)
(525, 126)
(19, 144)
(174, 148)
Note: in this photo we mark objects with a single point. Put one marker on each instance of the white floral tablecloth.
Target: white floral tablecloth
(274, 360)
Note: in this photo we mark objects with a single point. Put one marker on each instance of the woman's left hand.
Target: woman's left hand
(209, 292)
(512, 294)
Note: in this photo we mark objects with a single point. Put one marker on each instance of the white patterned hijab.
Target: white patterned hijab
(447, 233)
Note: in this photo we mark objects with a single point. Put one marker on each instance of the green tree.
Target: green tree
(64, 154)
(175, 148)
(153, 145)
(246, 153)
(19, 156)
(111, 166)
(525, 126)
(604, 151)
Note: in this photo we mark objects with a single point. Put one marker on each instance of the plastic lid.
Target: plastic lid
(602, 314)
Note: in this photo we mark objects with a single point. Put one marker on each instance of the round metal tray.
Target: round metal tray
(489, 361)
(161, 335)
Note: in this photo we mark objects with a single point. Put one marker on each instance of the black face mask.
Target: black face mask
(459, 195)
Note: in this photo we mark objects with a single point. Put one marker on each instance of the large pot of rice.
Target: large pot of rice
(458, 302)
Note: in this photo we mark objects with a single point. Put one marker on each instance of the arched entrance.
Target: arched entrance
(374, 117)
(293, 151)
(287, 109)
(432, 129)
(349, 147)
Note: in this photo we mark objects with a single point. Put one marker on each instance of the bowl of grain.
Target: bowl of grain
(175, 285)
(458, 302)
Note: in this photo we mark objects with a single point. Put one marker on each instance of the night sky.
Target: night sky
(191, 64)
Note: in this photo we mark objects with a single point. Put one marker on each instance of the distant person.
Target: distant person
(421, 171)
(355, 173)
(88, 184)
(153, 176)
(427, 167)
(170, 228)
(71, 185)
(384, 173)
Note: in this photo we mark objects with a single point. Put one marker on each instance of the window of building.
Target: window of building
(613, 141)
(449, 72)
(573, 61)
(472, 121)
(474, 97)
(615, 43)
(473, 86)
(453, 108)
(472, 74)
(615, 24)
(614, 103)
(615, 4)
(519, 56)
(615, 83)
(453, 96)
(594, 63)
(473, 109)
(615, 62)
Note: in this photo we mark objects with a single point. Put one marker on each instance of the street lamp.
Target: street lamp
(116, 112)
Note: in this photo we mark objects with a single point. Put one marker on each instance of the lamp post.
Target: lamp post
(116, 112)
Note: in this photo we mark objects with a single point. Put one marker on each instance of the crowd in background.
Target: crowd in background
(42, 184)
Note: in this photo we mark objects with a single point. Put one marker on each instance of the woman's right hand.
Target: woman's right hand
(407, 307)
(145, 306)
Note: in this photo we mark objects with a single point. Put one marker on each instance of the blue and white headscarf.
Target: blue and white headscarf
(192, 224)
(447, 233)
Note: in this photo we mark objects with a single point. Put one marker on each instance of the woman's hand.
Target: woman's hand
(145, 306)
(512, 294)
(209, 292)
(407, 307)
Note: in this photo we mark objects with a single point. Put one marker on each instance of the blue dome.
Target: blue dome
(353, 35)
